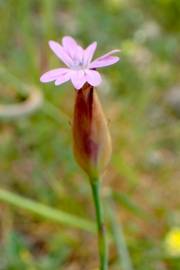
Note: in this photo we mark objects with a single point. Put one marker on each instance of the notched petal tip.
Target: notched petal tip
(68, 39)
(42, 79)
(45, 78)
(69, 43)
(52, 43)
(93, 44)
(56, 83)
(116, 59)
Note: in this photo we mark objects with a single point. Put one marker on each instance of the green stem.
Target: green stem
(102, 241)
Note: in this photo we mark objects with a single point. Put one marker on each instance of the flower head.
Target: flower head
(80, 66)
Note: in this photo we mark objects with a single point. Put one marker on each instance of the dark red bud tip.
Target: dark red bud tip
(91, 138)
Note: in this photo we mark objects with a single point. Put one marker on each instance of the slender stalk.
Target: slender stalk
(102, 239)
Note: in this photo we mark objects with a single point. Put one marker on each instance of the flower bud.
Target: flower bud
(91, 137)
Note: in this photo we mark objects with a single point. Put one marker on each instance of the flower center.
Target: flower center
(78, 64)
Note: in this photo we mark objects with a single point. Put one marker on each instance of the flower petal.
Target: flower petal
(73, 49)
(53, 74)
(69, 45)
(105, 60)
(78, 78)
(93, 77)
(60, 53)
(63, 78)
(79, 54)
(89, 52)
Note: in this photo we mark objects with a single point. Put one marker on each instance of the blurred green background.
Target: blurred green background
(141, 98)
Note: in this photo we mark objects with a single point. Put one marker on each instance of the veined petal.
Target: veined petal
(53, 74)
(60, 53)
(89, 52)
(70, 45)
(93, 77)
(63, 78)
(73, 49)
(104, 63)
(105, 60)
(78, 78)
(79, 53)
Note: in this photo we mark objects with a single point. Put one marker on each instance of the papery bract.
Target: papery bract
(91, 138)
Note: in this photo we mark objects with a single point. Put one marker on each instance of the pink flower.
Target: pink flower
(80, 67)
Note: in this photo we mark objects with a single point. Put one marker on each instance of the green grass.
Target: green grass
(36, 159)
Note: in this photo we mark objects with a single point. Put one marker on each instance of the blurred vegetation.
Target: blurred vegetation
(141, 98)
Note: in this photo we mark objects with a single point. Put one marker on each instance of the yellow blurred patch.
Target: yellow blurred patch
(172, 242)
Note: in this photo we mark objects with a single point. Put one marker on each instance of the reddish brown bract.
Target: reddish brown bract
(91, 138)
